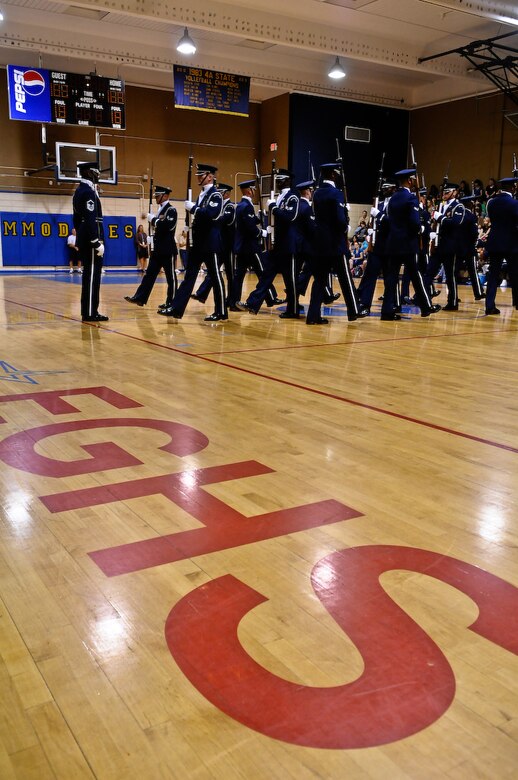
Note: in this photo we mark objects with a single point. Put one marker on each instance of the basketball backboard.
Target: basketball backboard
(68, 156)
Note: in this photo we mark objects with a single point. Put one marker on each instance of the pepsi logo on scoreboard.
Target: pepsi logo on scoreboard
(29, 94)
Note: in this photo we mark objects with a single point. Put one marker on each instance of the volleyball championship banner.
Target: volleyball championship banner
(211, 90)
(31, 240)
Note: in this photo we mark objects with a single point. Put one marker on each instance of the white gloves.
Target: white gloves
(433, 236)
(150, 217)
(374, 211)
(269, 230)
(370, 231)
(189, 204)
(264, 233)
(271, 202)
(437, 214)
(100, 250)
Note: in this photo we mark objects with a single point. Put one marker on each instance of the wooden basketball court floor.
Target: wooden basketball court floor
(256, 549)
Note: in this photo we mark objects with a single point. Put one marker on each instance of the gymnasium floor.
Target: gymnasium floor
(255, 550)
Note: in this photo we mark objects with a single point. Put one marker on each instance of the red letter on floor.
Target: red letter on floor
(406, 684)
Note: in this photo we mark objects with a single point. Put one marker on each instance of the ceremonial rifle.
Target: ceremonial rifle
(262, 215)
(376, 202)
(270, 215)
(438, 224)
(340, 163)
(189, 197)
(150, 226)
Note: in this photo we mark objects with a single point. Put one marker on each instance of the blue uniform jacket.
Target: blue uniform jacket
(228, 226)
(331, 221)
(502, 210)
(305, 226)
(88, 215)
(450, 229)
(248, 229)
(468, 235)
(381, 225)
(206, 227)
(404, 223)
(165, 225)
(285, 231)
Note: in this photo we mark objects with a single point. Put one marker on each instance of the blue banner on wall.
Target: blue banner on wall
(211, 90)
(41, 239)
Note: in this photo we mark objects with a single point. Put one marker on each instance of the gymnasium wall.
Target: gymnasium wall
(473, 133)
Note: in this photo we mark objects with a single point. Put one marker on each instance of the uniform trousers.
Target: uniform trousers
(211, 260)
(319, 289)
(470, 262)
(157, 261)
(91, 281)
(277, 263)
(369, 279)
(391, 268)
(339, 265)
(422, 264)
(494, 276)
(227, 262)
(244, 261)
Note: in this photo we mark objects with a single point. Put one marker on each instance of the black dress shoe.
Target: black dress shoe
(197, 298)
(216, 317)
(494, 310)
(407, 300)
(96, 318)
(278, 301)
(450, 307)
(438, 292)
(132, 299)
(363, 313)
(480, 297)
(163, 306)
(170, 312)
(319, 321)
(390, 317)
(329, 301)
(243, 306)
(435, 308)
(233, 308)
(286, 315)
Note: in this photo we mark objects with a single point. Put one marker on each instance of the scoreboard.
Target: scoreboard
(87, 100)
(40, 95)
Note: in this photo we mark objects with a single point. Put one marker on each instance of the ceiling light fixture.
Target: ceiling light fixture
(1, 17)
(186, 44)
(337, 72)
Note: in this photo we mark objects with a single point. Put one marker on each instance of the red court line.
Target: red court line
(298, 386)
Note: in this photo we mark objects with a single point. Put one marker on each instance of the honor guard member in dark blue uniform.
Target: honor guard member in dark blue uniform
(468, 247)
(206, 246)
(305, 225)
(402, 247)
(228, 229)
(283, 211)
(247, 246)
(378, 239)
(424, 250)
(164, 249)
(449, 219)
(502, 241)
(88, 223)
(332, 223)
